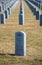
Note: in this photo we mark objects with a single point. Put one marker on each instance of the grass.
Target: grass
(13, 60)
(33, 39)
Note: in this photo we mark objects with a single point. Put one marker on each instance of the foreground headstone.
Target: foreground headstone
(20, 43)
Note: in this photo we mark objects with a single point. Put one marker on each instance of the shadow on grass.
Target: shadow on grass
(3, 54)
(7, 54)
(38, 60)
(12, 54)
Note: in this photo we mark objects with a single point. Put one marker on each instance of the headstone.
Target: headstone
(6, 14)
(3, 5)
(41, 13)
(37, 14)
(40, 18)
(21, 15)
(9, 11)
(2, 18)
(41, 5)
(21, 19)
(20, 43)
(0, 8)
(34, 11)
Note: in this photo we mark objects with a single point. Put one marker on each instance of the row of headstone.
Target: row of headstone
(21, 15)
(20, 43)
(6, 4)
(36, 11)
(35, 2)
(4, 14)
(0, 7)
(20, 36)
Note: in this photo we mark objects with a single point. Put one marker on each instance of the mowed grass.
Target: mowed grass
(33, 39)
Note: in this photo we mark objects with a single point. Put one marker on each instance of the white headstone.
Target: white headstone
(20, 43)
(6, 14)
(2, 18)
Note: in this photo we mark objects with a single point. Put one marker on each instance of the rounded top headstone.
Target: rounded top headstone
(20, 33)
